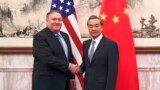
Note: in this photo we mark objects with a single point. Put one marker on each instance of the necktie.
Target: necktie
(63, 44)
(91, 50)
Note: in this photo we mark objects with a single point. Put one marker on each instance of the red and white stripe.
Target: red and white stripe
(70, 26)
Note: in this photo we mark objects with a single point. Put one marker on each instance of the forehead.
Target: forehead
(94, 21)
(55, 15)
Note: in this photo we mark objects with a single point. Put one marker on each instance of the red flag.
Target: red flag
(114, 14)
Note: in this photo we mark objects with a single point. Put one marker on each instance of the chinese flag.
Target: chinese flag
(114, 14)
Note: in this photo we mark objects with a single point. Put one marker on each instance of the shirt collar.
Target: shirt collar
(97, 40)
(58, 33)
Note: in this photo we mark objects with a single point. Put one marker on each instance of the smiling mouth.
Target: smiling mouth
(57, 25)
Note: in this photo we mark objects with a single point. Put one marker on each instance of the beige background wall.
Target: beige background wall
(16, 71)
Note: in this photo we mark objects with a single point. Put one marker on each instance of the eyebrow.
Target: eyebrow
(93, 24)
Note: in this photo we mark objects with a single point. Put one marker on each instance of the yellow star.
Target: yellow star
(103, 16)
(125, 11)
(115, 19)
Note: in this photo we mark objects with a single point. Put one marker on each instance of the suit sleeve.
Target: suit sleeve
(112, 67)
(72, 76)
(43, 52)
(83, 66)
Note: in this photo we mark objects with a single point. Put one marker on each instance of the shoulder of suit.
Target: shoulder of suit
(63, 32)
(109, 40)
(42, 32)
(87, 41)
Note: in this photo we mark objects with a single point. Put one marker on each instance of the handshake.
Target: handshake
(75, 68)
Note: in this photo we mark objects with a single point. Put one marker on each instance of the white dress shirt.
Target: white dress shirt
(97, 40)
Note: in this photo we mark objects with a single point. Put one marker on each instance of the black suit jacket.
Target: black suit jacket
(50, 70)
(100, 74)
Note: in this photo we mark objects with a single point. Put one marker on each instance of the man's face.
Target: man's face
(54, 22)
(94, 27)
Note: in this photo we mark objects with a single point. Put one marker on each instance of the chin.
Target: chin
(94, 35)
(57, 29)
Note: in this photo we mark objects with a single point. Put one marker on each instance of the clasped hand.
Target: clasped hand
(74, 68)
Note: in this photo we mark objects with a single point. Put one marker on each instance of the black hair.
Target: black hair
(95, 17)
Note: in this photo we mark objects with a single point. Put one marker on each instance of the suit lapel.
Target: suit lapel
(52, 39)
(55, 44)
(87, 50)
(99, 47)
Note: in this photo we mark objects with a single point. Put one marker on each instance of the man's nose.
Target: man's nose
(57, 21)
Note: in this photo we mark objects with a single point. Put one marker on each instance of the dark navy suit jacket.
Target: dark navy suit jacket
(101, 72)
(50, 70)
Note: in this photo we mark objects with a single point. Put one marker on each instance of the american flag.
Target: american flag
(70, 26)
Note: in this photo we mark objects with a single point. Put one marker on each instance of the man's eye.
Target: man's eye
(90, 26)
(96, 25)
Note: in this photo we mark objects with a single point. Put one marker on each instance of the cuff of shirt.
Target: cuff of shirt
(69, 65)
